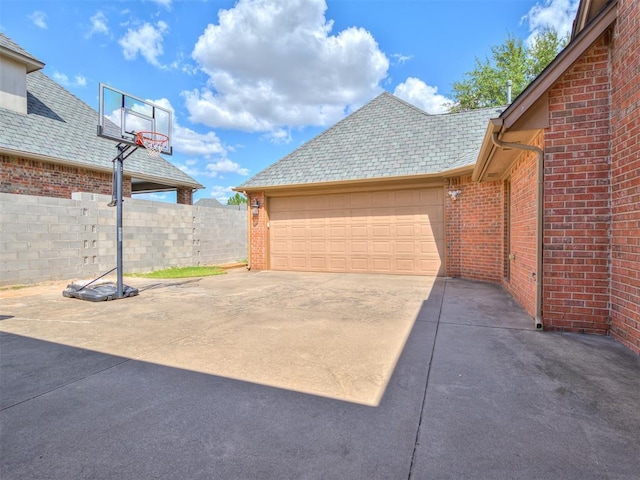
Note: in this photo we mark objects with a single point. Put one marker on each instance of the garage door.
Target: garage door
(399, 231)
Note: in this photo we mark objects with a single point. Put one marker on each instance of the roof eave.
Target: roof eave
(570, 54)
(541, 84)
(32, 64)
(345, 183)
(71, 163)
(486, 150)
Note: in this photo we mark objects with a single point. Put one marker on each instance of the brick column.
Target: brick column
(577, 186)
(625, 177)
(185, 196)
(257, 232)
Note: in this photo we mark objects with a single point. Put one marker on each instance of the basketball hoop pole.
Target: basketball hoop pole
(120, 160)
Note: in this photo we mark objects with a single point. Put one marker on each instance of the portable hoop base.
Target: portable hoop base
(99, 293)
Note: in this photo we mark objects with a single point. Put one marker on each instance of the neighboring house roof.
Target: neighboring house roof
(11, 49)
(386, 138)
(61, 128)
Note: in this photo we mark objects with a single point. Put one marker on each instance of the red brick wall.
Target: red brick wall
(474, 230)
(577, 197)
(33, 177)
(258, 233)
(625, 176)
(184, 196)
(523, 268)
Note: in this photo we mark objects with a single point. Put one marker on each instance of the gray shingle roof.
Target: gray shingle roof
(385, 138)
(61, 126)
(9, 45)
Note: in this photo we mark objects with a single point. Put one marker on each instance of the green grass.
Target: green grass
(14, 287)
(181, 272)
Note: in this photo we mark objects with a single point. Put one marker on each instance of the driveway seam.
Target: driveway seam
(426, 386)
(67, 384)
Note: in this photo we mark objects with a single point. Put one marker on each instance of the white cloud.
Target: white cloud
(400, 59)
(39, 19)
(275, 63)
(226, 166)
(221, 193)
(190, 142)
(62, 79)
(156, 197)
(211, 169)
(146, 41)
(426, 97)
(98, 24)
(555, 14)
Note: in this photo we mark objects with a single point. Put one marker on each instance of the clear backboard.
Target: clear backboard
(121, 116)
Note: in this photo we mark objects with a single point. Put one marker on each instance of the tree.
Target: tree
(237, 199)
(486, 84)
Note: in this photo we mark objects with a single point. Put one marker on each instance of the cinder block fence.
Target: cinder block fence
(44, 238)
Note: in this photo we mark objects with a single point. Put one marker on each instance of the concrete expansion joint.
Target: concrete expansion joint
(426, 384)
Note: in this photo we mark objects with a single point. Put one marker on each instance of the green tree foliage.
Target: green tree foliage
(237, 199)
(486, 84)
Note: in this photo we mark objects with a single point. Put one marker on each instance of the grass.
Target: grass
(14, 287)
(180, 272)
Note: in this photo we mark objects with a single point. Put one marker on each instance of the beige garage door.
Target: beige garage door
(399, 231)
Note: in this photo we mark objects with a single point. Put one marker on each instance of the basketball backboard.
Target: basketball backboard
(122, 115)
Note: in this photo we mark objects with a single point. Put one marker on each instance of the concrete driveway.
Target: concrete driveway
(274, 375)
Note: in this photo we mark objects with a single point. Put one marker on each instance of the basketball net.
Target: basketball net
(154, 142)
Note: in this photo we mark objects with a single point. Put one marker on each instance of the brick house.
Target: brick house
(545, 200)
(48, 141)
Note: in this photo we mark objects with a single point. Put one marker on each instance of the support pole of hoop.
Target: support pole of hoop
(119, 175)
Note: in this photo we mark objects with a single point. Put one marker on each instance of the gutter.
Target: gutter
(540, 214)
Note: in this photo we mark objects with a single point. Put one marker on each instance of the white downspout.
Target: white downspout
(540, 217)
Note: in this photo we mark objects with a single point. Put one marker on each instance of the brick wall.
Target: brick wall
(625, 176)
(184, 196)
(577, 197)
(522, 218)
(33, 177)
(258, 232)
(474, 229)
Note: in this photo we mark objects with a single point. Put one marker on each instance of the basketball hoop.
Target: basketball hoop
(154, 142)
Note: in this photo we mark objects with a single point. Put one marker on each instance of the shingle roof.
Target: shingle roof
(61, 126)
(385, 138)
(9, 45)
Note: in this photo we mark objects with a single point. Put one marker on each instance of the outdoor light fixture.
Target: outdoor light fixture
(454, 194)
(255, 206)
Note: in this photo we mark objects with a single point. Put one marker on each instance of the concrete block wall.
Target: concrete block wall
(44, 238)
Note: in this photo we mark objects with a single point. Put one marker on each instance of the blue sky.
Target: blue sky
(251, 80)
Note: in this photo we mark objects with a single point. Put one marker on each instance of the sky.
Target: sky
(249, 81)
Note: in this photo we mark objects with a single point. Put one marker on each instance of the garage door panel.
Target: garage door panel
(318, 247)
(405, 247)
(382, 264)
(360, 264)
(359, 247)
(383, 231)
(337, 247)
(338, 264)
(318, 263)
(386, 232)
(358, 231)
